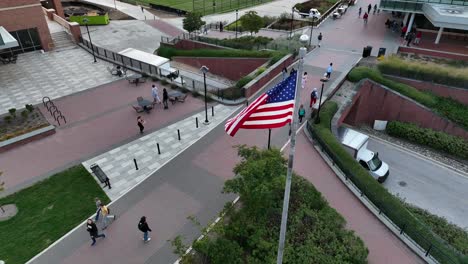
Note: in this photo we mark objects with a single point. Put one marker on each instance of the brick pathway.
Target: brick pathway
(98, 120)
(53, 74)
(118, 163)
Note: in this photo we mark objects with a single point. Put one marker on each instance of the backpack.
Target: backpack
(314, 94)
(140, 226)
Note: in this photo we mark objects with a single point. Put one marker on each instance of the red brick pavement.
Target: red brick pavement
(98, 119)
(165, 27)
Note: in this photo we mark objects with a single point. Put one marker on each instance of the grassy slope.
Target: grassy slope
(47, 210)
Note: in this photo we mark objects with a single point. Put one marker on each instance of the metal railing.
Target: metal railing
(149, 70)
(410, 232)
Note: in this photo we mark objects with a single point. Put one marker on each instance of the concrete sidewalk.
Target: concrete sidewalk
(118, 163)
(134, 11)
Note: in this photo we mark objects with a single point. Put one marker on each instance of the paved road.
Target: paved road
(424, 183)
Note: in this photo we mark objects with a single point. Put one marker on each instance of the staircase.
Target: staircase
(62, 41)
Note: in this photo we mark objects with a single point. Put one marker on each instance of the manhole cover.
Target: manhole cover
(402, 183)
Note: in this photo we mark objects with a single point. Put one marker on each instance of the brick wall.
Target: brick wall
(458, 94)
(433, 53)
(24, 18)
(230, 68)
(185, 44)
(374, 102)
(249, 91)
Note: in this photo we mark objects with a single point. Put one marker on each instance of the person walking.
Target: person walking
(98, 202)
(319, 39)
(165, 98)
(375, 8)
(369, 7)
(105, 216)
(93, 231)
(304, 80)
(359, 13)
(313, 97)
(409, 38)
(301, 113)
(143, 227)
(403, 31)
(141, 122)
(155, 94)
(365, 17)
(329, 70)
(285, 73)
(418, 37)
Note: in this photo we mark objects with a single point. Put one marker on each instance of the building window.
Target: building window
(28, 40)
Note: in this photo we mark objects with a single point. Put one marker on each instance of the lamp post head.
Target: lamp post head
(85, 20)
(204, 69)
(304, 39)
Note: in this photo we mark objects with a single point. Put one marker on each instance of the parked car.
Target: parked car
(356, 144)
(313, 13)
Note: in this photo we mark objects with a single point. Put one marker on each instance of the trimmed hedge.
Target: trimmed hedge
(243, 81)
(453, 145)
(425, 71)
(446, 107)
(385, 201)
(246, 43)
(169, 52)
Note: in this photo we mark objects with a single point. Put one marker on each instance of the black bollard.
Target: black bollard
(159, 150)
(196, 121)
(212, 111)
(136, 165)
(178, 133)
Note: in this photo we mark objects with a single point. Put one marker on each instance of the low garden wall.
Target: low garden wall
(26, 138)
(458, 94)
(377, 102)
(186, 44)
(230, 68)
(433, 53)
(256, 84)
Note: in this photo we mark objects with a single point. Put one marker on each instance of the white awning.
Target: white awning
(144, 57)
(6, 39)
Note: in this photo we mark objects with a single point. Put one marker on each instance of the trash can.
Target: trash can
(366, 52)
(381, 52)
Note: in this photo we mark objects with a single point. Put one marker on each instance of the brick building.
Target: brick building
(26, 22)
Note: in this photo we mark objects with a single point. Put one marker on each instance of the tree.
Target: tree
(251, 22)
(193, 22)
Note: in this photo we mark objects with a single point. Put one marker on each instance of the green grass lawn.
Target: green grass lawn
(46, 211)
(205, 7)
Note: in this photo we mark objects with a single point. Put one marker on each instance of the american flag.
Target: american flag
(272, 109)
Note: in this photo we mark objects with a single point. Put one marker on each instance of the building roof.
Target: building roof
(447, 16)
(6, 39)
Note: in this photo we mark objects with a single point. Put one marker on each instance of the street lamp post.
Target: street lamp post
(317, 120)
(237, 15)
(205, 70)
(292, 150)
(292, 21)
(311, 30)
(85, 20)
(115, 5)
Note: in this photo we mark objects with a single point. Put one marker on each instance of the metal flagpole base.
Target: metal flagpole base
(206, 122)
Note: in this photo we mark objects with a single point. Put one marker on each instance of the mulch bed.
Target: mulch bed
(21, 124)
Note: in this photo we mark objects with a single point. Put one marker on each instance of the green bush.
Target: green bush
(243, 81)
(231, 93)
(12, 112)
(244, 43)
(277, 57)
(29, 107)
(449, 108)
(438, 140)
(456, 236)
(169, 52)
(426, 71)
(316, 233)
(385, 201)
(260, 71)
(25, 114)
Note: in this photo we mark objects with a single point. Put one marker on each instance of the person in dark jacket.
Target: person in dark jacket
(93, 231)
(143, 227)
(369, 7)
(165, 98)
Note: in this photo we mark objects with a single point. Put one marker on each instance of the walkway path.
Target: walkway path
(118, 163)
(134, 11)
(98, 120)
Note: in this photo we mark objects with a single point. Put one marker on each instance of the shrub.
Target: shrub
(426, 71)
(245, 43)
(386, 202)
(12, 112)
(260, 71)
(449, 108)
(438, 140)
(164, 82)
(169, 52)
(7, 119)
(25, 114)
(276, 58)
(456, 236)
(243, 81)
(29, 107)
(231, 93)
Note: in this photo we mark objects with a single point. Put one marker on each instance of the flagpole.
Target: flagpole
(292, 149)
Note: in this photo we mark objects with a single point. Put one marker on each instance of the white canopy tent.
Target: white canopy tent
(7, 40)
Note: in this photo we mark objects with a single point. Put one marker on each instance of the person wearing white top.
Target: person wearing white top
(155, 94)
(304, 80)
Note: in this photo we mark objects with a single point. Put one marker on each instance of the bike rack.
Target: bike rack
(53, 110)
(61, 116)
(44, 100)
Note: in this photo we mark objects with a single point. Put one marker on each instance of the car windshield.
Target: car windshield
(375, 163)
